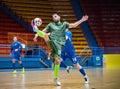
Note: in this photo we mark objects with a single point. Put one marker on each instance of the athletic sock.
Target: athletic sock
(41, 33)
(56, 70)
(82, 71)
(21, 65)
(14, 66)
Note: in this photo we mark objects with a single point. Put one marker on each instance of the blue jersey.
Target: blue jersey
(15, 49)
(69, 35)
(68, 43)
(69, 50)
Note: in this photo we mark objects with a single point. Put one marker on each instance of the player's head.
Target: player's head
(56, 17)
(14, 38)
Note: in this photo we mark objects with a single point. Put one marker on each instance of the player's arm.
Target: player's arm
(20, 46)
(35, 37)
(73, 25)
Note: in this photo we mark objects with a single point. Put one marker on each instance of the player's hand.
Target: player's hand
(16, 50)
(84, 18)
(35, 39)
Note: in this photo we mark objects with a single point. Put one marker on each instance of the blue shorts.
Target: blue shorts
(16, 55)
(70, 53)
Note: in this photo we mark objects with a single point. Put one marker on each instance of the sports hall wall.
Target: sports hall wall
(103, 23)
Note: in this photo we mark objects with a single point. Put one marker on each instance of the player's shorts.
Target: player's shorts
(56, 49)
(71, 57)
(69, 53)
(16, 55)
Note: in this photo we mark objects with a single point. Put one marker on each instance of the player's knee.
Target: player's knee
(77, 66)
(57, 60)
(13, 61)
(20, 62)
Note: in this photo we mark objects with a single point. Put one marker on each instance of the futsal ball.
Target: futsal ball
(36, 22)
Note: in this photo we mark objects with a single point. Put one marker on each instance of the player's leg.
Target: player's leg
(64, 57)
(41, 33)
(77, 65)
(56, 56)
(68, 68)
(56, 70)
(13, 62)
(45, 36)
(21, 64)
(82, 71)
(14, 67)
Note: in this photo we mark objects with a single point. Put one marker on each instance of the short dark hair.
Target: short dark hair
(56, 13)
(14, 36)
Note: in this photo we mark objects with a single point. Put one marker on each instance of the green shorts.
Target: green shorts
(56, 49)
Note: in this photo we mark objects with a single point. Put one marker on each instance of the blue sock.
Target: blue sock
(82, 71)
(14, 66)
(21, 65)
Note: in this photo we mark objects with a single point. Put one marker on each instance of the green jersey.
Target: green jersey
(57, 31)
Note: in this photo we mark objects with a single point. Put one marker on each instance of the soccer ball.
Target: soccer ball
(38, 21)
(35, 23)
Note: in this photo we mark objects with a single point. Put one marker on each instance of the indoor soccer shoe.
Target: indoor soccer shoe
(68, 69)
(86, 80)
(23, 70)
(14, 71)
(57, 81)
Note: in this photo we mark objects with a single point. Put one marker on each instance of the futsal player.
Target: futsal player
(16, 47)
(69, 52)
(57, 39)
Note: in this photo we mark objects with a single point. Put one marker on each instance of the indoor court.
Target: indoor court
(100, 78)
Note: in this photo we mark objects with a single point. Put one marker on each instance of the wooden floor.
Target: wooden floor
(99, 79)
